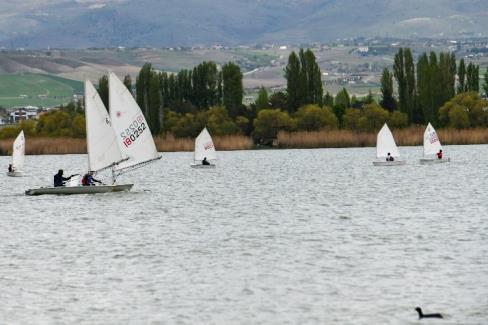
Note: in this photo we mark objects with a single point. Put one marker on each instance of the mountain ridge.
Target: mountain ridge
(108, 23)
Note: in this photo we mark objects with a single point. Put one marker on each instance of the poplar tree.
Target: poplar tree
(292, 75)
(473, 78)
(387, 101)
(128, 82)
(233, 90)
(154, 103)
(461, 88)
(262, 101)
(103, 90)
(485, 83)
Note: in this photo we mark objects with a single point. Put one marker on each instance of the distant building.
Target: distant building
(17, 114)
(248, 100)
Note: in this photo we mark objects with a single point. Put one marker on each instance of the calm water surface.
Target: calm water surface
(268, 237)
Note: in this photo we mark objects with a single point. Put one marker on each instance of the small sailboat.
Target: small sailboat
(432, 145)
(204, 150)
(18, 156)
(385, 144)
(120, 142)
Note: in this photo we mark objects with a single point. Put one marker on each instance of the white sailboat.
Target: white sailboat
(107, 143)
(385, 144)
(18, 156)
(432, 145)
(204, 149)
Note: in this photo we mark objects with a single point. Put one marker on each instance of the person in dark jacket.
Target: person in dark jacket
(59, 179)
(11, 168)
(205, 161)
(389, 157)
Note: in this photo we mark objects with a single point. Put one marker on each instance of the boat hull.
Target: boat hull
(15, 174)
(428, 161)
(390, 163)
(71, 190)
(202, 166)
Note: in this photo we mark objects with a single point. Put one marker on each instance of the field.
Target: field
(36, 89)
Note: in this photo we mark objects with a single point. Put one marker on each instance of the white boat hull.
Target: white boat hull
(202, 166)
(15, 174)
(70, 190)
(390, 163)
(426, 161)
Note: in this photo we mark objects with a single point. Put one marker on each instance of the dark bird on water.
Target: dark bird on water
(422, 315)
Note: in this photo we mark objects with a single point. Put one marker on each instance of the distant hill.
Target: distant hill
(101, 23)
(37, 89)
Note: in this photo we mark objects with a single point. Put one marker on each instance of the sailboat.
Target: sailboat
(18, 156)
(432, 145)
(386, 144)
(120, 142)
(204, 148)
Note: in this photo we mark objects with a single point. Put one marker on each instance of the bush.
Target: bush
(269, 122)
(398, 120)
(458, 117)
(314, 118)
(473, 106)
(219, 122)
(351, 118)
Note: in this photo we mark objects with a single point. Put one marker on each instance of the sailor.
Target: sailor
(205, 161)
(59, 179)
(11, 168)
(89, 180)
(439, 154)
(389, 157)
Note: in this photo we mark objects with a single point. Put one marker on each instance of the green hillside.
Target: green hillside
(36, 90)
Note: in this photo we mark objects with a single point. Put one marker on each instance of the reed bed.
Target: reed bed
(46, 146)
(411, 136)
(169, 143)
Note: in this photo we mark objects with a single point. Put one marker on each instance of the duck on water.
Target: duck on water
(422, 315)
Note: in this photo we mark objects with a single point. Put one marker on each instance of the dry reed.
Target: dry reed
(46, 146)
(169, 143)
(411, 136)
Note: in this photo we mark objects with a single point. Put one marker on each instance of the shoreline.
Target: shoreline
(412, 136)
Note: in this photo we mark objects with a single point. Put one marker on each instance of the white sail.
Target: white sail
(386, 144)
(204, 146)
(131, 128)
(18, 155)
(103, 149)
(432, 144)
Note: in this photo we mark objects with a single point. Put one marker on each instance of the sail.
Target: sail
(386, 144)
(204, 146)
(18, 155)
(131, 129)
(432, 144)
(103, 149)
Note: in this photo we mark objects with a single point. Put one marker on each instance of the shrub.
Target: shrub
(314, 118)
(269, 122)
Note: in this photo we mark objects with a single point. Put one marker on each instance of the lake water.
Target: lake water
(268, 237)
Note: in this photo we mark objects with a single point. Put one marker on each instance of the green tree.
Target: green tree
(154, 104)
(103, 90)
(473, 107)
(397, 120)
(219, 122)
(461, 88)
(278, 100)
(268, 123)
(128, 82)
(342, 101)
(473, 77)
(485, 83)
(262, 101)
(351, 118)
(387, 101)
(313, 118)
(233, 90)
(293, 82)
(374, 116)
(328, 100)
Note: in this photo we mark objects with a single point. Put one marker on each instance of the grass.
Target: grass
(30, 86)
